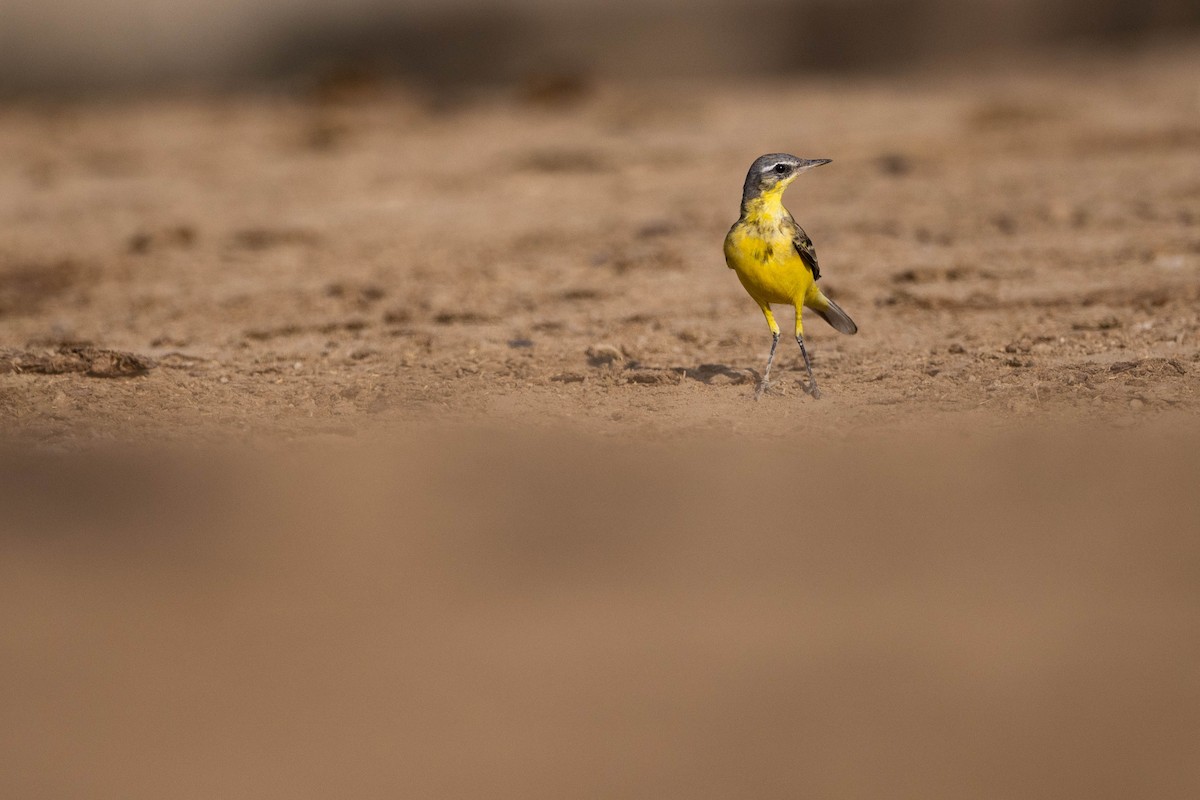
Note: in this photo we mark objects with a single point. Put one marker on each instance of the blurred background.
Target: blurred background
(76, 44)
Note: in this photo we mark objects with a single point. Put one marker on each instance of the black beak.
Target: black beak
(809, 163)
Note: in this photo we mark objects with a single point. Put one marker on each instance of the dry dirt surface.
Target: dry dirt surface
(1011, 242)
(616, 575)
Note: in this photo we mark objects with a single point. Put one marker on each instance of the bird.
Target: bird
(774, 258)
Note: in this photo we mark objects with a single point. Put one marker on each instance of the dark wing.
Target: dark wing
(808, 253)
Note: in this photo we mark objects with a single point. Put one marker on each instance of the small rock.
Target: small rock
(598, 355)
(957, 348)
(1137, 404)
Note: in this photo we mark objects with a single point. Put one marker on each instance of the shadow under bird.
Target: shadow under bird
(774, 258)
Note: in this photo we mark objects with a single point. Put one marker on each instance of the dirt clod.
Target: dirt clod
(94, 362)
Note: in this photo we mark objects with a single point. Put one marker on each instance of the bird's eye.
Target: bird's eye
(781, 168)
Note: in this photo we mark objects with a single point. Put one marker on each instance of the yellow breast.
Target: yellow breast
(759, 249)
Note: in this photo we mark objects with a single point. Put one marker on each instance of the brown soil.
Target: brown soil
(833, 612)
(1010, 244)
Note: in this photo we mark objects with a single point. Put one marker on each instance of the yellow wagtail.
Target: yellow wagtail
(774, 258)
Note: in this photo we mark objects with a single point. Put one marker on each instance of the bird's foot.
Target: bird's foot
(761, 390)
(811, 389)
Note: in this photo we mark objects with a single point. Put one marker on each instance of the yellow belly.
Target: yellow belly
(769, 267)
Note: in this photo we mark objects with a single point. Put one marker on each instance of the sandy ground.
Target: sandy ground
(533, 538)
(1010, 243)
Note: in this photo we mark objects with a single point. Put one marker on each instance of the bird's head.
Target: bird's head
(771, 174)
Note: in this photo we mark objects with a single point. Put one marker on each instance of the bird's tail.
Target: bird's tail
(832, 313)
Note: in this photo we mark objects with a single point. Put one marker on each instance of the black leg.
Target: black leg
(812, 382)
(762, 385)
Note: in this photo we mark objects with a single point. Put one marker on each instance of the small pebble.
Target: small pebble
(601, 354)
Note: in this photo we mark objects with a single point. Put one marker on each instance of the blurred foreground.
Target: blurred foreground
(548, 616)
